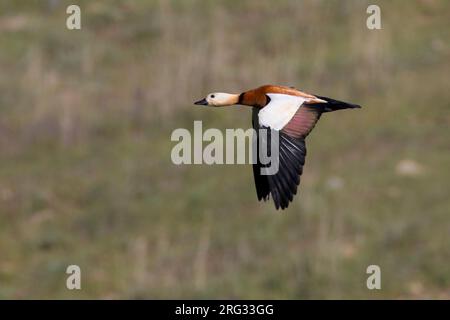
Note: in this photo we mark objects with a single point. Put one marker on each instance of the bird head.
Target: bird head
(219, 99)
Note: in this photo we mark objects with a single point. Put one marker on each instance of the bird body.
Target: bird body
(289, 113)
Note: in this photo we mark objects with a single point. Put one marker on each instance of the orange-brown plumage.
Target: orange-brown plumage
(258, 97)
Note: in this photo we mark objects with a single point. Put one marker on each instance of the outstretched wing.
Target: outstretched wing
(292, 118)
(283, 184)
(291, 115)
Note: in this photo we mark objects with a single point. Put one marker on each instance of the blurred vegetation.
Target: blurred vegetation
(86, 176)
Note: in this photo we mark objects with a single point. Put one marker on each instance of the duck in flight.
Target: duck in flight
(292, 114)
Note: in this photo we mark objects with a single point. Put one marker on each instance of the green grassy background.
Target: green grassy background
(86, 176)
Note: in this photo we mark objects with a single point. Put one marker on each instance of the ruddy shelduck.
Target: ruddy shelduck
(292, 114)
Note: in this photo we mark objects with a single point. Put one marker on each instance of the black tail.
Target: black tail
(333, 105)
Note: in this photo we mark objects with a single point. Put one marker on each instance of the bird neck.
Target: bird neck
(230, 99)
(252, 98)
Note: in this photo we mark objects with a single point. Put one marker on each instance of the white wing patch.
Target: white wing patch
(280, 110)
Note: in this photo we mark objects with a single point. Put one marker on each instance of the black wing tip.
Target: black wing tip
(282, 186)
(282, 206)
(277, 200)
(263, 197)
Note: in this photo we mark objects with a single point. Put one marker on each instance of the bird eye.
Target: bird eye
(213, 96)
